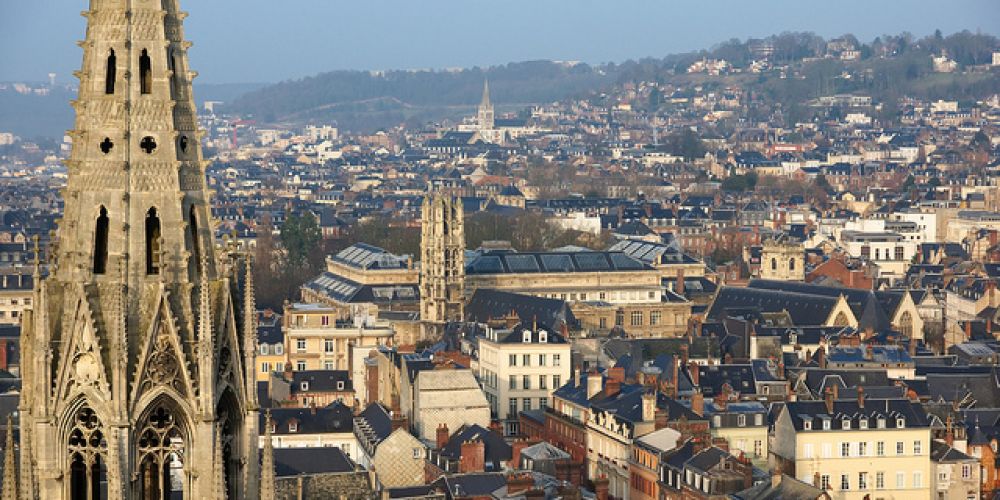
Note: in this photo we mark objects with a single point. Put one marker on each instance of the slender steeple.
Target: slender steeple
(267, 472)
(134, 351)
(487, 118)
(10, 490)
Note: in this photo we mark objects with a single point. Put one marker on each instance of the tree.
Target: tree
(686, 143)
(300, 235)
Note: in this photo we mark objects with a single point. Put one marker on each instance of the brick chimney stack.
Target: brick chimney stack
(698, 403)
(473, 457)
(442, 435)
(829, 400)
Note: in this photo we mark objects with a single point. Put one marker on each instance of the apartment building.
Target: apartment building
(856, 449)
(520, 368)
(316, 339)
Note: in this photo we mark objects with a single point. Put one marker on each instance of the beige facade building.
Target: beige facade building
(315, 339)
(856, 449)
(16, 294)
(139, 374)
(783, 260)
(520, 368)
(435, 394)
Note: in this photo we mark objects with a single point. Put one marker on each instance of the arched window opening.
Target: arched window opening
(791, 264)
(774, 264)
(183, 142)
(148, 144)
(101, 243)
(195, 243)
(230, 440)
(152, 242)
(112, 73)
(145, 73)
(906, 325)
(88, 449)
(161, 454)
(841, 320)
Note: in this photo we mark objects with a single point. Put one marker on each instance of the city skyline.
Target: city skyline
(449, 34)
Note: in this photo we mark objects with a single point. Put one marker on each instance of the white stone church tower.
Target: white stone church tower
(442, 263)
(139, 354)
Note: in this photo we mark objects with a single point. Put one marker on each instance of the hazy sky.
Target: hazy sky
(272, 40)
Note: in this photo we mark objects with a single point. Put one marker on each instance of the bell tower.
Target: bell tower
(139, 353)
(442, 263)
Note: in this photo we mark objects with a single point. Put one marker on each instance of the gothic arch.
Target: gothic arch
(83, 433)
(231, 425)
(791, 264)
(163, 436)
(906, 324)
(153, 242)
(774, 264)
(841, 320)
(111, 73)
(145, 73)
(101, 229)
(195, 240)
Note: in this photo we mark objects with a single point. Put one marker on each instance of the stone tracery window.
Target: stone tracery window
(111, 73)
(161, 455)
(88, 450)
(145, 73)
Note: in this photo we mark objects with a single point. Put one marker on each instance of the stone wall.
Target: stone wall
(346, 486)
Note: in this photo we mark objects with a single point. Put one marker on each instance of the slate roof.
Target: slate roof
(872, 309)
(334, 418)
(912, 413)
(377, 422)
(788, 488)
(364, 256)
(345, 290)
(319, 460)
(804, 309)
(488, 304)
(496, 448)
(322, 381)
(552, 262)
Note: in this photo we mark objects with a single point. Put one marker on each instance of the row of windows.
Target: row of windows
(866, 252)
(846, 423)
(526, 405)
(583, 297)
(266, 349)
(512, 360)
(864, 483)
(526, 382)
(16, 302)
(862, 449)
(741, 420)
(153, 241)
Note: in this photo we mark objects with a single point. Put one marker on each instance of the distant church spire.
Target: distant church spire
(487, 118)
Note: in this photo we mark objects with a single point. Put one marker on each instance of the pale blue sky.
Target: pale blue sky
(272, 40)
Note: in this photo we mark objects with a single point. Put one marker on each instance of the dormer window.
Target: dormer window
(880, 423)
(279, 349)
(741, 420)
(304, 386)
(263, 349)
(826, 425)
(900, 423)
(526, 337)
(543, 337)
(863, 423)
(807, 425)
(845, 424)
(340, 385)
(293, 426)
(793, 339)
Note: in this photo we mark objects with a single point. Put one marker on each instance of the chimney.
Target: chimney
(693, 372)
(617, 373)
(473, 457)
(649, 407)
(442, 435)
(829, 400)
(288, 371)
(684, 352)
(612, 387)
(781, 370)
(861, 397)
(673, 381)
(594, 383)
(836, 392)
(968, 330)
(913, 347)
(601, 488)
(821, 353)
(660, 419)
(869, 352)
(698, 403)
(576, 377)
(515, 458)
(399, 421)
(680, 282)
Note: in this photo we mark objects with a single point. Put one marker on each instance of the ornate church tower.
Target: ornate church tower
(139, 354)
(487, 118)
(442, 264)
